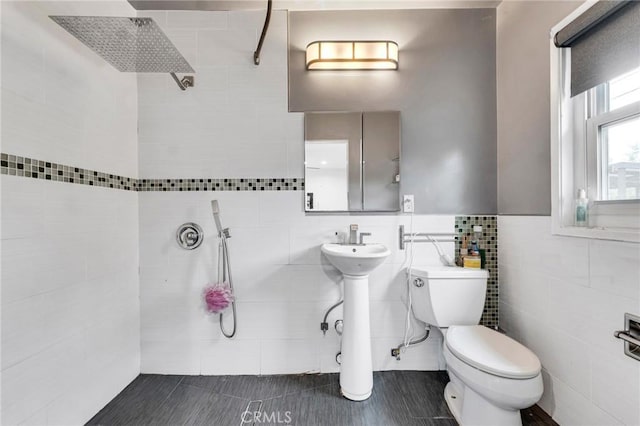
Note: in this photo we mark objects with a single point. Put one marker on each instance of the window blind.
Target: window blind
(604, 42)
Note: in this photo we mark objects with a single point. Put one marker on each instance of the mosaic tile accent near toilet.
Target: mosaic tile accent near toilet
(13, 165)
(489, 241)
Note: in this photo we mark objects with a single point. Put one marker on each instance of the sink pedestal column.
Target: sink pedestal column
(356, 370)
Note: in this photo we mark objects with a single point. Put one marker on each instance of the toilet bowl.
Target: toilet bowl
(492, 377)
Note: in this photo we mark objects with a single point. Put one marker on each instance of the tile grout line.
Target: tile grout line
(172, 391)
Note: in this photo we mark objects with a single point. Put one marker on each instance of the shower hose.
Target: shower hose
(224, 267)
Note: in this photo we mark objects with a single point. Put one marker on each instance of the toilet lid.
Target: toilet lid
(492, 352)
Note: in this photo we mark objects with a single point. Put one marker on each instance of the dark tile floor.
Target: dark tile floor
(399, 398)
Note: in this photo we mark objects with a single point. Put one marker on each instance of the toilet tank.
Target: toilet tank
(448, 295)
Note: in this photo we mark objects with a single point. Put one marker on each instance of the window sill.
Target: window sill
(614, 234)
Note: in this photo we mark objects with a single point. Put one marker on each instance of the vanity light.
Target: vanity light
(352, 55)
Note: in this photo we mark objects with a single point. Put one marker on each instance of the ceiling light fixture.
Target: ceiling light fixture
(352, 55)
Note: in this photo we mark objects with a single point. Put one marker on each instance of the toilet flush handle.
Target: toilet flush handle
(418, 282)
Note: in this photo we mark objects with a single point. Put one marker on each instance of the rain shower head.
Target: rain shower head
(129, 44)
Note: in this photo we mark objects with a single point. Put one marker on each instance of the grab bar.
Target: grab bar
(427, 237)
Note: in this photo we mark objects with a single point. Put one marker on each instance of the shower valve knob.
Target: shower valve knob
(189, 236)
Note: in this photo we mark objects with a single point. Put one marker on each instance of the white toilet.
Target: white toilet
(492, 377)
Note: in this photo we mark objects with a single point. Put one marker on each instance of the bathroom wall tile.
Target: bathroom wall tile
(159, 17)
(615, 385)
(574, 317)
(24, 74)
(566, 358)
(22, 216)
(290, 283)
(70, 328)
(255, 19)
(605, 313)
(613, 267)
(290, 356)
(196, 19)
(166, 357)
(573, 334)
(572, 408)
(281, 208)
(37, 419)
(229, 47)
(509, 320)
(388, 282)
(388, 318)
(222, 356)
(34, 383)
(329, 346)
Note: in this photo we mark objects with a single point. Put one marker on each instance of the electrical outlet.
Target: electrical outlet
(407, 204)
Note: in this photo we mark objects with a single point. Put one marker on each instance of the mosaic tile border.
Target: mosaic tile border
(13, 165)
(489, 241)
(237, 184)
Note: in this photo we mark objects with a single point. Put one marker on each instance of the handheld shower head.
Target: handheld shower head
(215, 208)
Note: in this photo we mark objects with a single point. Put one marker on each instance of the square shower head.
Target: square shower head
(129, 44)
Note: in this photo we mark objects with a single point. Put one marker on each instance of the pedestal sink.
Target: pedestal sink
(356, 262)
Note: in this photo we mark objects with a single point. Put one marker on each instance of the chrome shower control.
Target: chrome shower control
(418, 282)
(189, 236)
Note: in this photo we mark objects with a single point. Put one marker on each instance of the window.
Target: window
(613, 139)
(595, 142)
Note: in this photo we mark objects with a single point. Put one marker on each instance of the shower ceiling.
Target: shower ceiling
(292, 5)
(129, 44)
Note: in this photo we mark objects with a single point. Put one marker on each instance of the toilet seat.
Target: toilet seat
(492, 352)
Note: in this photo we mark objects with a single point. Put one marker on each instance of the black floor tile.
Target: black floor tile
(138, 401)
(405, 398)
(298, 383)
(248, 387)
(536, 416)
(190, 405)
(423, 393)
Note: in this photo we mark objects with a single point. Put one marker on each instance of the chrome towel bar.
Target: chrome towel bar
(424, 237)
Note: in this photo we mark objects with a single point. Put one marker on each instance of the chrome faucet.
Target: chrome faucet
(362, 235)
(353, 234)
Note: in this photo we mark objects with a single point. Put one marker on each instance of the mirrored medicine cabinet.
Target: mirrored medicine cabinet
(352, 161)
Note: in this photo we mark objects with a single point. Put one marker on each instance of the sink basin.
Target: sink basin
(356, 260)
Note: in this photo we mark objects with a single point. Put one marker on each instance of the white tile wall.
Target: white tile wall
(62, 102)
(234, 123)
(283, 286)
(563, 298)
(70, 305)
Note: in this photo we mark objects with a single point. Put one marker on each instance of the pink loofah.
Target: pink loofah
(218, 297)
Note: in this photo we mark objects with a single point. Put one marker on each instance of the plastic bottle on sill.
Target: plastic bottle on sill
(582, 208)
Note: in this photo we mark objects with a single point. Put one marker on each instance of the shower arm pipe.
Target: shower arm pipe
(256, 54)
(186, 81)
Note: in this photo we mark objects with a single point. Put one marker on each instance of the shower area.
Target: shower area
(104, 158)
